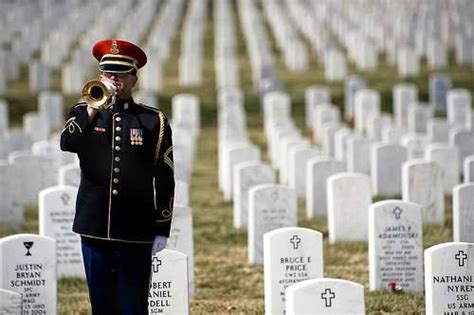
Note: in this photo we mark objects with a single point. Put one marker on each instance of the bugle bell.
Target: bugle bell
(98, 95)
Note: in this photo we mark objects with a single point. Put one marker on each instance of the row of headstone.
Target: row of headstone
(164, 30)
(258, 47)
(29, 273)
(225, 45)
(192, 45)
(186, 123)
(292, 48)
(293, 258)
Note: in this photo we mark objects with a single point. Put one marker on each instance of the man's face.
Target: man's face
(123, 81)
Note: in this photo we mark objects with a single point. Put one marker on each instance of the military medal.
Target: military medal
(136, 136)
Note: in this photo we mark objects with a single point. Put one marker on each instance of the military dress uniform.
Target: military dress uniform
(125, 197)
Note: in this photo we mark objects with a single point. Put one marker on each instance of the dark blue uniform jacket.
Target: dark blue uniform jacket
(127, 182)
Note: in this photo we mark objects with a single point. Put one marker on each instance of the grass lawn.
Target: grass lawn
(225, 283)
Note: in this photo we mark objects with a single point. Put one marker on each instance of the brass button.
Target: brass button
(118, 128)
(117, 148)
(115, 192)
(118, 118)
(117, 138)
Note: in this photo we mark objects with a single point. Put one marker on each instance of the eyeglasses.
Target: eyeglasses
(115, 74)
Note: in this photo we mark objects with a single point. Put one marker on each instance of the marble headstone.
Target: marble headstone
(56, 214)
(449, 278)
(291, 255)
(463, 213)
(28, 267)
(348, 197)
(169, 283)
(270, 207)
(395, 246)
(325, 296)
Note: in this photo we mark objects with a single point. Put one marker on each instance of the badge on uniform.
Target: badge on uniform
(136, 136)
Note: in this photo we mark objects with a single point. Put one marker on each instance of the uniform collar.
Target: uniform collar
(123, 105)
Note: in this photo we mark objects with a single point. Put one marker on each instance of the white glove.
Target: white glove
(159, 243)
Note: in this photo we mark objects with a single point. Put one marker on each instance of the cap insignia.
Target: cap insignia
(114, 48)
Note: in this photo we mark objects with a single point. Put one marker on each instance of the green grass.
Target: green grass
(225, 282)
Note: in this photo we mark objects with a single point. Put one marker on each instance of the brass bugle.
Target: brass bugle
(96, 94)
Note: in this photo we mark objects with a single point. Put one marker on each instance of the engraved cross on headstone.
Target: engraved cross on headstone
(327, 296)
(397, 212)
(295, 240)
(461, 257)
(157, 265)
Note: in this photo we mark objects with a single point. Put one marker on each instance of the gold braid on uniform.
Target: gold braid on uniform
(160, 136)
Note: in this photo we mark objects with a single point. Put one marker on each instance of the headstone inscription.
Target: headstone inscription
(395, 246)
(449, 278)
(169, 283)
(56, 214)
(28, 267)
(291, 255)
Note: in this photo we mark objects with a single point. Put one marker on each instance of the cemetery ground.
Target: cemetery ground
(225, 282)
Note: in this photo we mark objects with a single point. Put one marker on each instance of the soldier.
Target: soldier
(125, 199)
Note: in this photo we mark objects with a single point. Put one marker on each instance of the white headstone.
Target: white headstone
(169, 283)
(366, 104)
(358, 154)
(463, 213)
(437, 130)
(3, 116)
(324, 113)
(56, 212)
(459, 108)
(247, 175)
(404, 95)
(386, 168)
(447, 157)
(70, 175)
(30, 175)
(28, 267)
(186, 109)
(270, 207)
(318, 170)
(291, 255)
(297, 168)
(464, 141)
(468, 169)
(325, 296)
(395, 246)
(314, 96)
(351, 85)
(181, 238)
(51, 109)
(439, 86)
(415, 144)
(348, 197)
(336, 67)
(11, 211)
(408, 62)
(422, 183)
(236, 155)
(449, 278)
(418, 116)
